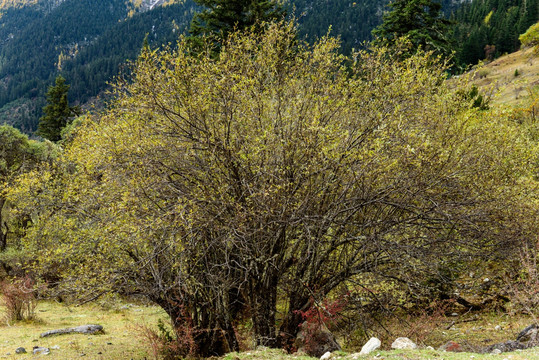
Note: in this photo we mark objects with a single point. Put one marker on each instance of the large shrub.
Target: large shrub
(275, 172)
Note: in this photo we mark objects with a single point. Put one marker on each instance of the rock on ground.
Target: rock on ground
(529, 335)
(527, 338)
(403, 343)
(370, 346)
(41, 350)
(83, 329)
(507, 346)
(316, 340)
(326, 356)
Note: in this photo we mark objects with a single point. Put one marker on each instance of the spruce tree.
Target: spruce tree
(57, 112)
(419, 20)
(222, 17)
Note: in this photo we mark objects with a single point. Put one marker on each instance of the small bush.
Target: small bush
(319, 316)
(483, 73)
(478, 101)
(164, 344)
(517, 73)
(523, 289)
(531, 36)
(19, 300)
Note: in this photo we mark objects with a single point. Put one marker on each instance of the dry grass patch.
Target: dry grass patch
(121, 340)
(510, 77)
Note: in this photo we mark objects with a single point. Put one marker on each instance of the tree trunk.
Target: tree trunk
(211, 334)
(264, 320)
(264, 303)
(3, 237)
(289, 329)
(3, 232)
(3, 240)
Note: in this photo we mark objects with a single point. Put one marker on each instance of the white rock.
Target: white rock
(326, 356)
(497, 327)
(496, 352)
(403, 343)
(370, 346)
(41, 350)
(429, 348)
(355, 356)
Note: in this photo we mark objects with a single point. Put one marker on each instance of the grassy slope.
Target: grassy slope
(499, 77)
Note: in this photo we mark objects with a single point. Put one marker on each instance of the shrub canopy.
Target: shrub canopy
(216, 186)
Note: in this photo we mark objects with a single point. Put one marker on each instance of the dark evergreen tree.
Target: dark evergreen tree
(220, 17)
(491, 24)
(419, 20)
(57, 112)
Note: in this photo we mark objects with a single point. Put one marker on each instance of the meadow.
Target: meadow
(126, 327)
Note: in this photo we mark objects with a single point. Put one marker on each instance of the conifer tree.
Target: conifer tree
(420, 20)
(221, 17)
(57, 112)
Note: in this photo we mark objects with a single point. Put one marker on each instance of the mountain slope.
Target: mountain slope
(512, 78)
(108, 33)
(96, 64)
(38, 41)
(493, 23)
(352, 20)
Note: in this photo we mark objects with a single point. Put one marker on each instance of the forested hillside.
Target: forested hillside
(38, 40)
(45, 43)
(488, 28)
(351, 20)
(97, 63)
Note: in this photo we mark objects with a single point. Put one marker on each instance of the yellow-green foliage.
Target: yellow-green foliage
(531, 36)
(15, 3)
(18, 154)
(275, 163)
(488, 17)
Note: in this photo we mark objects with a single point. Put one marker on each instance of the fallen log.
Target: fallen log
(83, 329)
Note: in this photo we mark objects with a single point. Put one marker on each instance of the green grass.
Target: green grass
(122, 338)
(423, 354)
